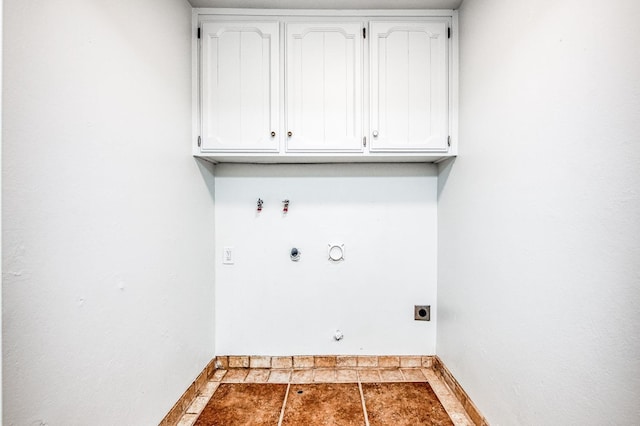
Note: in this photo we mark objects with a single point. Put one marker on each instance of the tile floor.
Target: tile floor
(340, 393)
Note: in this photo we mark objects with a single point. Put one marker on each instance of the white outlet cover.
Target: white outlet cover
(227, 256)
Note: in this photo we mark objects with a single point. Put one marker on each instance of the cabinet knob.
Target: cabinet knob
(375, 133)
(273, 134)
(289, 134)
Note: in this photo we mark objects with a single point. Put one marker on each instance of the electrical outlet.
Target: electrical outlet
(227, 256)
(422, 312)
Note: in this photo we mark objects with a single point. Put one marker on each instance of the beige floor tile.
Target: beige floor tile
(210, 369)
(344, 375)
(198, 405)
(330, 404)
(369, 375)
(172, 418)
(403, 404)
(260, 362)
(222, 362)
(278, 370)
(413, 375)
(431, 376)
(367, 361)
(427, 361)
(302, 376)
(388, 361)
(238, 362)
(257, 375)
(325, 376)
(281, 362)
(209, 388)
(460, 419)
(391, 375)
(201, 380)
(188, 420)
(450, 403)
(410, 361)
(346, 361)
(325, 361)
(279, 376)
(235, 376)
(188, 397)
(218, 375)
(303, 361)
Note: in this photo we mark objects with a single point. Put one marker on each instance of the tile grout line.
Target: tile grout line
(284, 404)
(364, 407)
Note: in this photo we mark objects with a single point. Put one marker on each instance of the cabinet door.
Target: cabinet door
(239, 83)
(409, 86)
(324, 87)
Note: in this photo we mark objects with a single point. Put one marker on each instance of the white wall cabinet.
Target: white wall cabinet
(409, 86)
(324, 87)
(296, 88)
(240, 86)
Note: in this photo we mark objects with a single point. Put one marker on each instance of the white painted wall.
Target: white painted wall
(1, 55)
(539, 247)
(386, 217)
(108, 220)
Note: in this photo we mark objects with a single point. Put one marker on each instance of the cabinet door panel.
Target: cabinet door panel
(324, 87)
(409, 86)
(239, 74)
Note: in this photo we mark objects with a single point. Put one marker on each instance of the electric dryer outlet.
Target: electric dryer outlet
(422, 312)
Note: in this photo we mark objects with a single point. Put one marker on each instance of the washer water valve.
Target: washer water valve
(338, 336)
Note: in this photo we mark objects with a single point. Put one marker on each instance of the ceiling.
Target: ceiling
(329, 4)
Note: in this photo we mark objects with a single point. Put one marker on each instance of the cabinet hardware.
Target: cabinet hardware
(364, 32)
(273, 134)
(375, 133)
(198, 32)
(199, 141)
(289, 134)
(448, 32)
(364, 141)
(448, 140)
